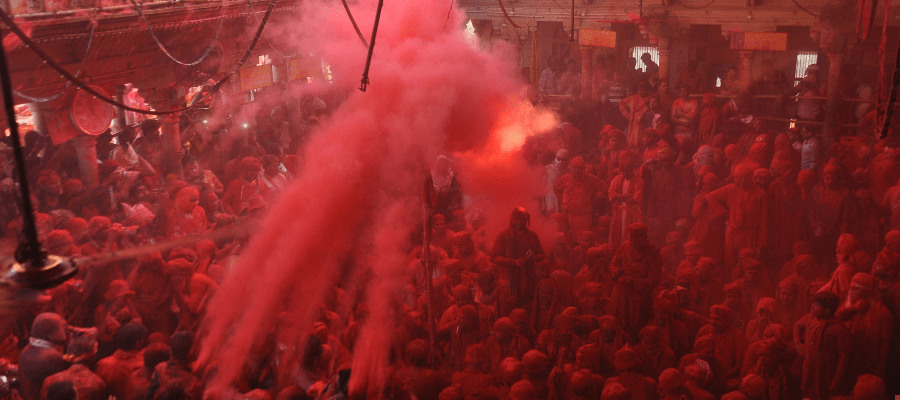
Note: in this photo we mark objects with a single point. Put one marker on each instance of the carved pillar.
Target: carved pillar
(587, 56)
(746, 69)
(37, 116)
(665, 57)
(86, 152)
(119, 121)
(170, 135)
(830, 130)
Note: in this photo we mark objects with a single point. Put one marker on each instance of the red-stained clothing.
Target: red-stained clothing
(685, 111)
(785, 211)
(731, 346)
(709, 231)
(654, 363)
(237, 195)
(579, 199)
(870, 327)
(631, 302)
(640, 387)
(824, 341)
(747, 221)
(633, 108)
(185, 224)
(116, 371)
(512, 244)
(625, 213)
(87, 384)
(496, 351)
(710, 121)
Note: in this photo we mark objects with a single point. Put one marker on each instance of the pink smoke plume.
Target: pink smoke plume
(431, 93)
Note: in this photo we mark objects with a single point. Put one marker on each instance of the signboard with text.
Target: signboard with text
(591, 37)
(256, 77)
(759, 41)
(301, 68)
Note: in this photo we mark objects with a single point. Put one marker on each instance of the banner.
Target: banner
(759, 41)
(256, 77)
(590, 37)
(301, 68)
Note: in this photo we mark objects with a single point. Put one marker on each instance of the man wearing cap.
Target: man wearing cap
(80, 353)
(745, 207)
(635, 271)
(711, 368)
(870, 325)
(581, 196)
(664, 193)
(730, 343)
(772, 366)
(827, 211)
(640, 386)
(626, 198)
(515, 252)
(671, 385)
(554, 171)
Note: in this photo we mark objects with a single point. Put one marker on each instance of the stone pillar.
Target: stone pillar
(86, 152)
(587, 68)
(830, 130)
(37, 116)
(665, 57)
(171, 144)
(746, 69)
(119, 121)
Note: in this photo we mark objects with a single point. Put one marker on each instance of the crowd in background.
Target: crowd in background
(699, 251)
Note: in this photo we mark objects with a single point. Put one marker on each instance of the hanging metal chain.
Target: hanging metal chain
(166, 51)
(68, 83)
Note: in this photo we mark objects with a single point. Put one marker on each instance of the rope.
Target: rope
(37, 50)
(68, 83)
(251, 16)
(695, 7)
(804, 9)
(163, 48)
(356, 27)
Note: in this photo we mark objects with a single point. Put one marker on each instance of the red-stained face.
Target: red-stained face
(787, 297)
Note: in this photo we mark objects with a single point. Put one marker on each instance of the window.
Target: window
(638, 51)
(804, 60)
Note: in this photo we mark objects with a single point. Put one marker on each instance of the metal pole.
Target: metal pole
(889, 107)
(365, 77)
(30, 250)
(426, 262)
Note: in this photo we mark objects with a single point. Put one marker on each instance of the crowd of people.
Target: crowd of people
(696, 252)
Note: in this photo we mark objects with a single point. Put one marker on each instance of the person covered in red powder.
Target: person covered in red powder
(581, 196)
(239, 192)
(745, 207)
(626, 198)
(515, 252)
(187, 217)
(826, 345)
(636, 270)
